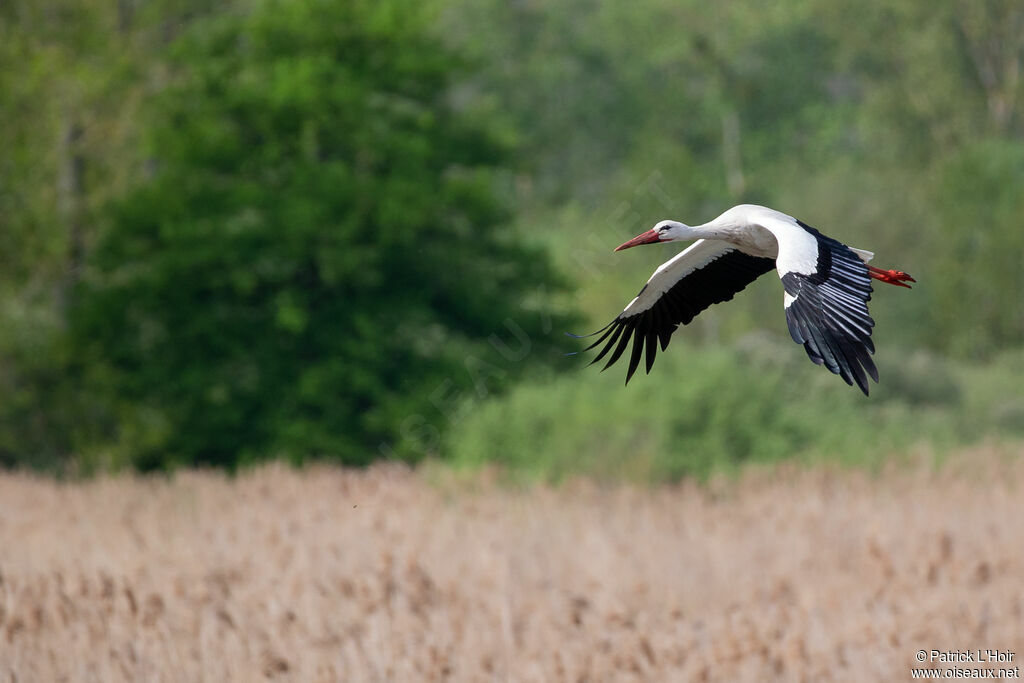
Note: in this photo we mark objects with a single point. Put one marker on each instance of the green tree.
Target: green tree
(317, 264)
(73, 75)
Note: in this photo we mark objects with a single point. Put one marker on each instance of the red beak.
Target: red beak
(649, 237)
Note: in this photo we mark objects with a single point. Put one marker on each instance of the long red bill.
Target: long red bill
(648, 237)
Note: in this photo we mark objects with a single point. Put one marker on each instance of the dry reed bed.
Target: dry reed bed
(384, 576)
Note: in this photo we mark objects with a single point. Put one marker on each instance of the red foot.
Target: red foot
(893, 277)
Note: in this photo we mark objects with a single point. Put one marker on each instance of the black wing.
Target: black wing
(827, 311)
(708, 272)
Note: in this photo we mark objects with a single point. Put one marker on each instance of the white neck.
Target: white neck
(681, 232)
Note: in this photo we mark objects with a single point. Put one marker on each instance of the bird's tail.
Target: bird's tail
(864, 254)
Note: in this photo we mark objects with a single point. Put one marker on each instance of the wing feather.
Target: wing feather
(706, 273)
(827, 306)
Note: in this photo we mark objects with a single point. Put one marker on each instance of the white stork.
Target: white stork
(827, 287)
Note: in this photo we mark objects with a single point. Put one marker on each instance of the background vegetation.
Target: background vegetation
(353, 229)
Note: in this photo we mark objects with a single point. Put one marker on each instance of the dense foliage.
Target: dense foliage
(759, 401)
(262, 228)
(318, 250)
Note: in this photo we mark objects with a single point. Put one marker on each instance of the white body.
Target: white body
(753, 229)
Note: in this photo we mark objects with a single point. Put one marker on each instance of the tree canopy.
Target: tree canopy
(319, 251)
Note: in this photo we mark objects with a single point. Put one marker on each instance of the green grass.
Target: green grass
(706, 410)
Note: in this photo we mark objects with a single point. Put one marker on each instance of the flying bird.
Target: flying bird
(827, 286)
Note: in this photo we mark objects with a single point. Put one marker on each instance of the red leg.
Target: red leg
(893, 277)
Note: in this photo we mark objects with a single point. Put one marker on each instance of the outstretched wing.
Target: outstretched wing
(708, 272)
(827, 292)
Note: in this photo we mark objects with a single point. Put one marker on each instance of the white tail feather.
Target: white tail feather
(865, 256)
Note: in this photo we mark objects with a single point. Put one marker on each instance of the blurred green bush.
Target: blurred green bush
(705, 410)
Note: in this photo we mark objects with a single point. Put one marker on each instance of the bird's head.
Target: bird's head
(664, 231)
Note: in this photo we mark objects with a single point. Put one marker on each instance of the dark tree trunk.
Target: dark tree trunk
(69, 197)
